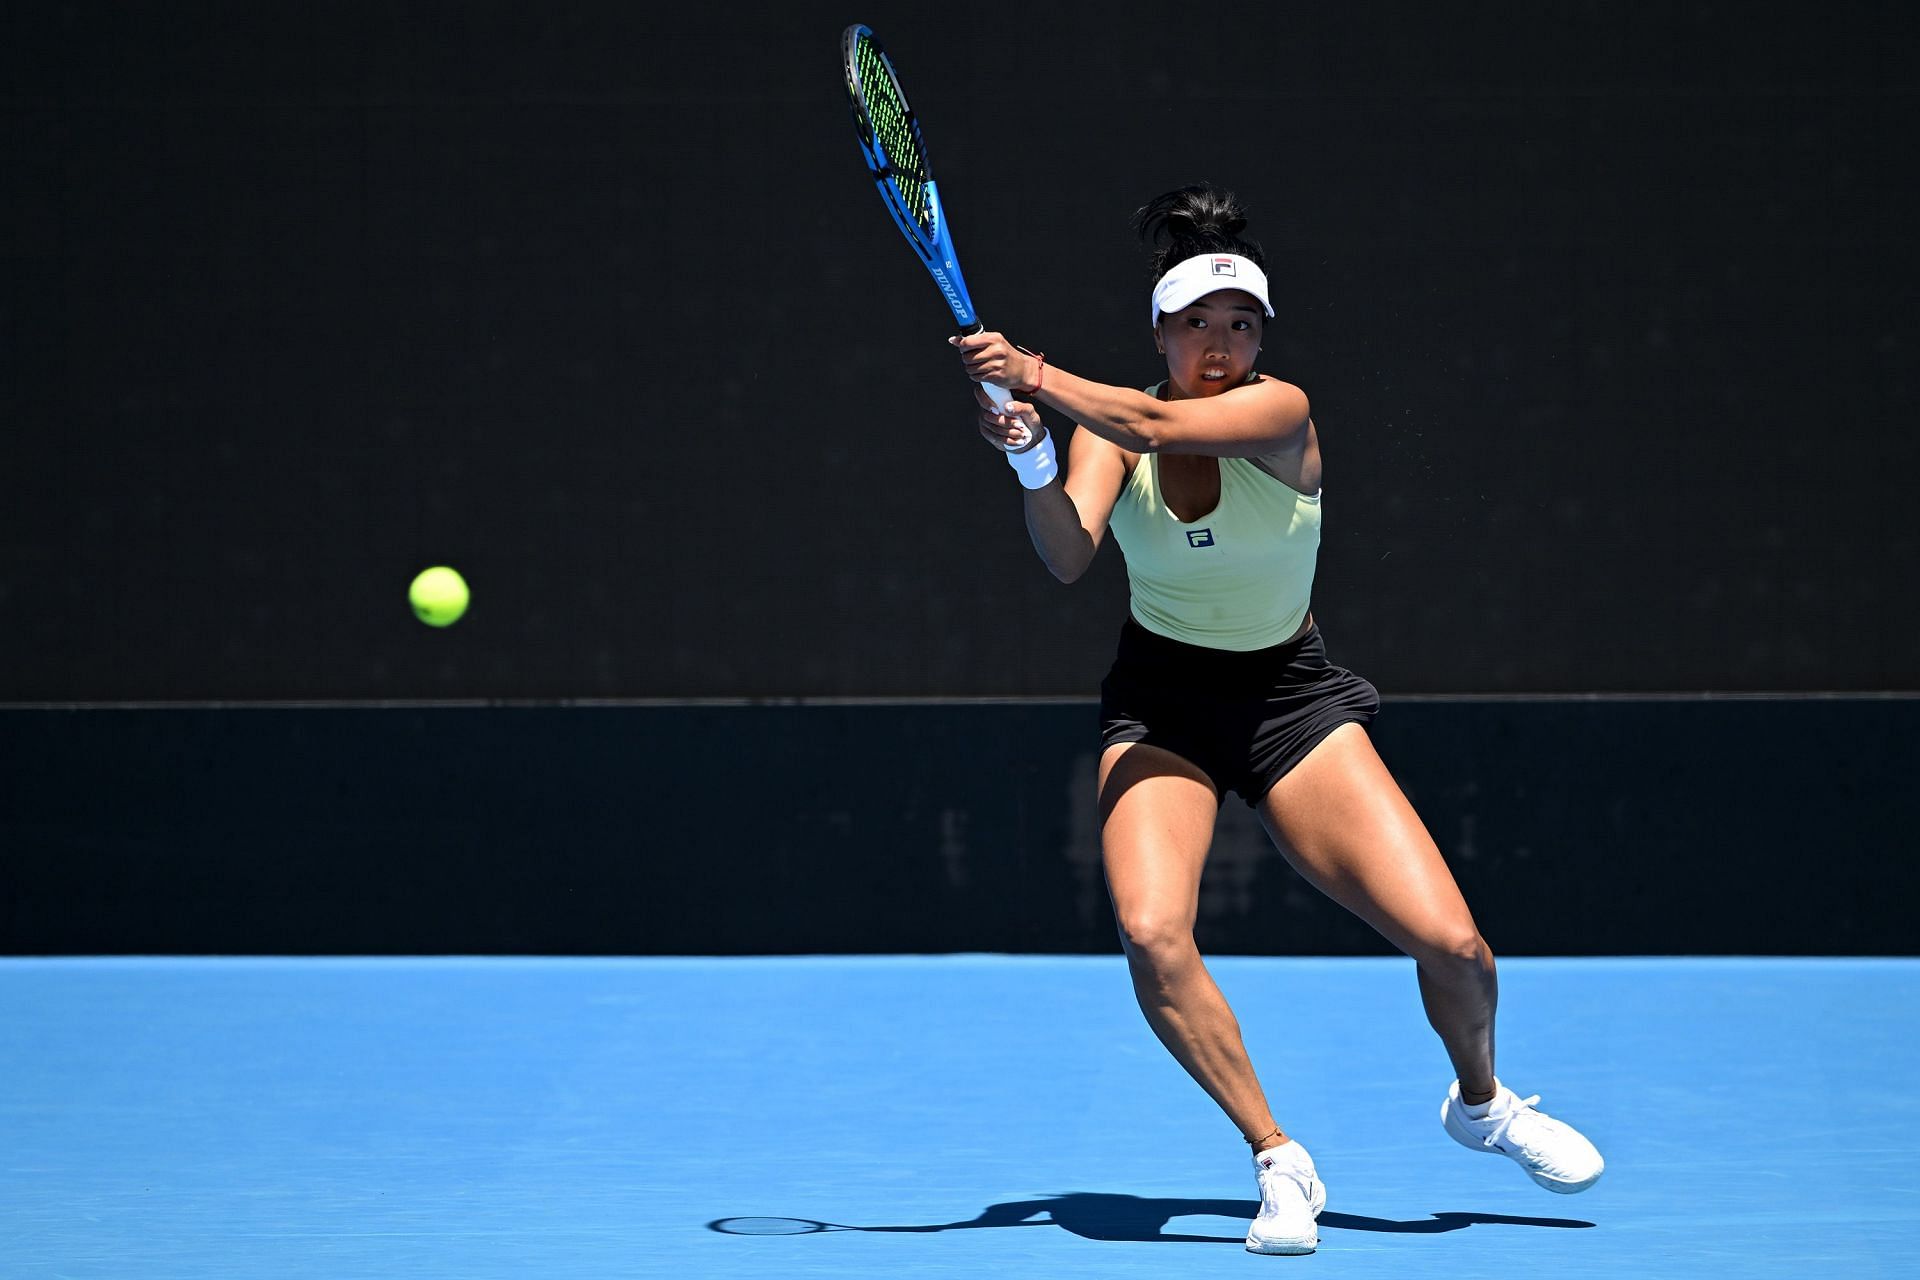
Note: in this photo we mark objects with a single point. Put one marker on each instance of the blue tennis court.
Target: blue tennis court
(962, 1115)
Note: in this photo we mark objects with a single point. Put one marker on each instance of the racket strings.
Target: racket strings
(894, 134)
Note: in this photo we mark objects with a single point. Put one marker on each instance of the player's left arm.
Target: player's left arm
(1262, 417)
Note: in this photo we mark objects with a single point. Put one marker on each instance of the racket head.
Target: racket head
(891, 140)
(895, 149)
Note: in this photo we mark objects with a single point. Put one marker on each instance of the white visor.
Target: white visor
(1188, 282)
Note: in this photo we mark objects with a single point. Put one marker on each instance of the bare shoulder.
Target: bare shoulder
(1291, 391)
(1096, 473)
(1100, 453)
(1298, 465)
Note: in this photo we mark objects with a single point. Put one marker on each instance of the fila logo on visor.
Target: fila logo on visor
(1225, 267)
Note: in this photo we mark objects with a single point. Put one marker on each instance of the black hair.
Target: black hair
(1193, 220)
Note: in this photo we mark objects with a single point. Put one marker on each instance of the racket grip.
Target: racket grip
(1001, 397)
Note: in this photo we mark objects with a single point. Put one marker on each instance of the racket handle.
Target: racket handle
(1001, 397)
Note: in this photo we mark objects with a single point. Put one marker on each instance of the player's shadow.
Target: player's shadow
(1101, 1216)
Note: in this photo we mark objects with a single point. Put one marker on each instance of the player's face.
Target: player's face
(1210, 346)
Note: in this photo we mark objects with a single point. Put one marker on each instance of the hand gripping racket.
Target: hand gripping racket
(896, 153)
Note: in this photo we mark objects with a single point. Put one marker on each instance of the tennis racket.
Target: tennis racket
(896, 155)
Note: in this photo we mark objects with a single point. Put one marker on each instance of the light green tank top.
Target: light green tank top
(1239, 577)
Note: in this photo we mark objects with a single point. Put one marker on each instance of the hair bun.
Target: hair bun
(1193, 220)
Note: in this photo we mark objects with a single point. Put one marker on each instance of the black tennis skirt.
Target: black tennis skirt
(1244, 719)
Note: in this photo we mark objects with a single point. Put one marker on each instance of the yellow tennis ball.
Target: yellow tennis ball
(439, 596)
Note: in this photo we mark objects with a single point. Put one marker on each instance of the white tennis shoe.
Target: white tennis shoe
(1553, 1152)
(1291, 1197)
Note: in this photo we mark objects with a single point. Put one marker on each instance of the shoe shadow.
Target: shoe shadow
(1102, 1216)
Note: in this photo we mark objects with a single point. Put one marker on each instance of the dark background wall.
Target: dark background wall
(1605, 311)
(1574, 826)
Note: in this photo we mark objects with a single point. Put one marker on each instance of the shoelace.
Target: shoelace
(1498, 1134)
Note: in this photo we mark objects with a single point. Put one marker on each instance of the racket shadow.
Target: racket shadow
(1105, 1216)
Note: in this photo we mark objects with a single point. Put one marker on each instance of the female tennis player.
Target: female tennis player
(1210, 480)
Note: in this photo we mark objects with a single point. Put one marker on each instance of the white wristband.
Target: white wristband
(1035, 466)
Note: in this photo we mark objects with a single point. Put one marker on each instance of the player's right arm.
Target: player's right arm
(1066, 518)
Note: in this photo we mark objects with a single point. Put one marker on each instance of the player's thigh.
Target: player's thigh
(1343, 822)
(1157, 813)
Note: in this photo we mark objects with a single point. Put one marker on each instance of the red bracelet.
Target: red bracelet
(1039, 379)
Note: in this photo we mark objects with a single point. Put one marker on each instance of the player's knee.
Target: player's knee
(1456, 945)
(1155, 938)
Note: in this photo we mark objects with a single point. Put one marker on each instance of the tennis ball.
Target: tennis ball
(439, 596)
